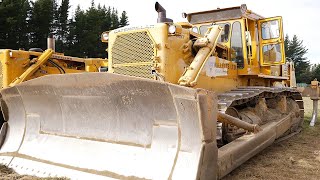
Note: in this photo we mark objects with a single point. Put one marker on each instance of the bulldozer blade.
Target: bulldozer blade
(108, 126)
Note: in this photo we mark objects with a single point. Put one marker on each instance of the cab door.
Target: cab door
(271, 41)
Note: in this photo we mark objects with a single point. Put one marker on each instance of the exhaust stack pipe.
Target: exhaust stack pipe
(51, 44)
(162, 16)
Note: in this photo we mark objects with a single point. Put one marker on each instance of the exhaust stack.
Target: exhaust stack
(51, 44)
(162, 16)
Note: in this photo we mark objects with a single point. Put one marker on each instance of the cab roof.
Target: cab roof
(222, 14)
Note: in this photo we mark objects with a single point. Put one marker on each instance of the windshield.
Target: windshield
(224, 37)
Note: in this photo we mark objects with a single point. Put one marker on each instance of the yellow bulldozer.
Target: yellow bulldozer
(189, 100)
(17, 66)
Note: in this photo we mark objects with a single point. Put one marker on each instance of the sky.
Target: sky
(300, 17)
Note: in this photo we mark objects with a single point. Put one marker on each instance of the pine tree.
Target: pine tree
(92, 4)
(55, 22)
(296, 52)
(42, 22)
(123, 19)
(62, 26)
(76, 42)
(25, 24)
(94, 24)
(107, 19)
(86, 29)
(14, 24)
(315, 71)
(286, 43)
(114, 19)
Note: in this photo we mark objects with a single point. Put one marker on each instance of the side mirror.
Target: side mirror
(184, 15)
(248, 38)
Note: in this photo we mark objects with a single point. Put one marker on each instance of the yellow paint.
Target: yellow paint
(18, 66)
(43, 58)
(173, 54)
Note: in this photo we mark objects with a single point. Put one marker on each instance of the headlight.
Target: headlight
(172, 29)
(105, 37)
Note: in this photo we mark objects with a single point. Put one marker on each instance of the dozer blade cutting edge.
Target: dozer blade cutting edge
(105, 126)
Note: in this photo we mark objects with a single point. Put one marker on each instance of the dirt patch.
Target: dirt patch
(8, 174)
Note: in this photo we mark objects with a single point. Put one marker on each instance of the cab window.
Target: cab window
(224, 37)
(195, 29)
(272, 53)
(270, 29)
(204, 29)
(236, 45)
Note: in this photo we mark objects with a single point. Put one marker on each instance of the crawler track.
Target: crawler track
(247, 94)
(235, 148)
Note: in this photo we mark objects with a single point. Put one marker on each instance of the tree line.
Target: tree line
(26, 24)
(296, 52)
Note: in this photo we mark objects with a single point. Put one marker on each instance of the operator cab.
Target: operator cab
(255, 43)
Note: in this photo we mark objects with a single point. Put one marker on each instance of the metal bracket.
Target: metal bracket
(315, 98)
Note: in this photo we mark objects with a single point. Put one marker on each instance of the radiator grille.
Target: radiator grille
(132, 48)
(143, 71)
(1, 76)
(136, 47)
(1, 70)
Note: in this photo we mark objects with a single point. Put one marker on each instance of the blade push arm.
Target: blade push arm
(207, 45)
(43, 58)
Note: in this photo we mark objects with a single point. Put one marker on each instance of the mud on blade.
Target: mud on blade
(105, 126)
